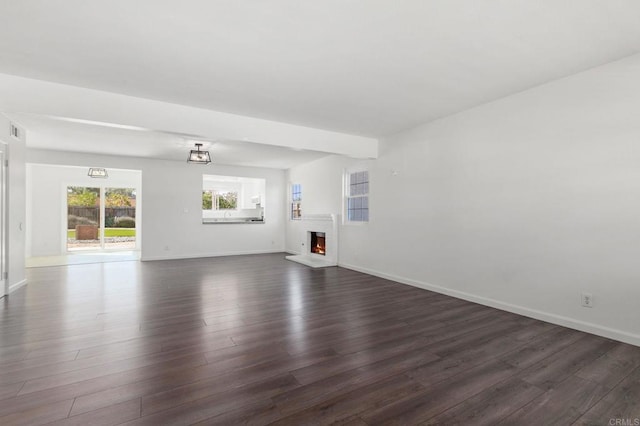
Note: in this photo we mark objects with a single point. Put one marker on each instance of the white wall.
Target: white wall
(250, 188)
(321, 182)
(521, 204)
(46, 202)
(171, 222)
(16, 202)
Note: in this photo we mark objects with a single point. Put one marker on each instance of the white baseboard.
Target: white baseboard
(587, 327)
(14, 287)
(203, 255)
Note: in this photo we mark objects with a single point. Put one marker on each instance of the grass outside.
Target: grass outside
(109, 232)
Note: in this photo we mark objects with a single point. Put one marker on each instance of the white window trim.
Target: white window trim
(290, 205)
(346, 176)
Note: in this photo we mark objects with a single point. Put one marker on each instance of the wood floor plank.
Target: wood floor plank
(613, 366)
(111, 415)
(490, 405)
(10, 390)
(355, 422)
(262, 412)
(475, 338)
(120, 350)
(198, 410)
(73, 390)
(39, 415)
(539, 349)
(37, 362)
(436, 399)
(435, 372)
(238, 378)
(349, 339)
(351, 404)
(76, 376)
(348, 362)
(102, 363)
(473, 355)
(257, 339)
(223, 362)
(560, 365)
(339, 384)
(563, 404)
(622, 404)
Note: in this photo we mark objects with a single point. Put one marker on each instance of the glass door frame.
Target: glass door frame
(101, 226)
(4, 282)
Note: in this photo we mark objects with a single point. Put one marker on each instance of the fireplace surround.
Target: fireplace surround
(318, 241)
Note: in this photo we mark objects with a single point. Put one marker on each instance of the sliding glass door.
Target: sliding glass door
(3, 267)
(100, 218)
(120, 219)
(83, 218)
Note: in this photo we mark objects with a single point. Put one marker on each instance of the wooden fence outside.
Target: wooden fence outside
(93, 213)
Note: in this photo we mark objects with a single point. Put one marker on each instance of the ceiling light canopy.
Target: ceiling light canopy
(199, 157)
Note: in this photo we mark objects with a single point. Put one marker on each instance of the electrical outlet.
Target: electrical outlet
(587, 300)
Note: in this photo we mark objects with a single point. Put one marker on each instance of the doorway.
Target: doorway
(3, 211)
(73, 217)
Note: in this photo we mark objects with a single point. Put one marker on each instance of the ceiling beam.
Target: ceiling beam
(23, 95)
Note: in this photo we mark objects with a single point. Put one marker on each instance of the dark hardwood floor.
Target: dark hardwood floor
(259, 340)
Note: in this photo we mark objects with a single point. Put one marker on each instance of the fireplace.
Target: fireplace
(318, 243)
(318, 239)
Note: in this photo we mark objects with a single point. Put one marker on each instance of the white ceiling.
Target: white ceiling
(362, 67)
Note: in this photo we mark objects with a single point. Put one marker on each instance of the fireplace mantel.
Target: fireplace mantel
(326, 223)
(318, 218)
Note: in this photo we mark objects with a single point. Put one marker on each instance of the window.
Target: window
(358, 197)
(233, 199)
(207, 200)
(296, 201)
(219, 200)
(226, 200)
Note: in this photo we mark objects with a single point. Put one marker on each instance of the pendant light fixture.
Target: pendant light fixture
(199, 157)
(98, 172)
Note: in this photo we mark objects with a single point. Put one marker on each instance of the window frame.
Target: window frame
(217, 194)
(360, 192)
(295, 201)
(215, 199)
